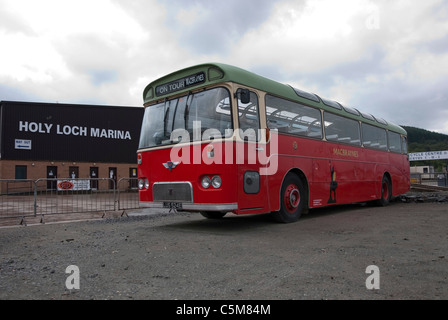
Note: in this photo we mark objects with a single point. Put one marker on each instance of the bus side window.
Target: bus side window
(341, 129)
(293, 118)
(394, 142)
(404, 144)
(248, 115)
(374, 137)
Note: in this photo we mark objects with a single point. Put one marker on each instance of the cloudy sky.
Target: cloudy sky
(388, 58)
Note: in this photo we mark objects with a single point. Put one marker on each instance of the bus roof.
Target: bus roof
(194, 77)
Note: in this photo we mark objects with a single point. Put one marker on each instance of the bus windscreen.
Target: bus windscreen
(163, 122)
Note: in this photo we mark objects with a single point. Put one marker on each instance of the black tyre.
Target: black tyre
(386, 192)
(213, 214)
(292, 199)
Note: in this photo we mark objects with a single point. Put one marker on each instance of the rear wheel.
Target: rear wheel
(292, 199)
(386, 192)
(213, 214)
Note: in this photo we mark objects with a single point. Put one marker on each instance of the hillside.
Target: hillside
(421, 140)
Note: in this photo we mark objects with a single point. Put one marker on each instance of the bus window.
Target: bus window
(404, 144)
(374, 137)
(248, 114)
(293, 118)
(394, 142)
(341, 129)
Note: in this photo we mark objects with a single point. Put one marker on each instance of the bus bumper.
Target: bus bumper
(224, 207)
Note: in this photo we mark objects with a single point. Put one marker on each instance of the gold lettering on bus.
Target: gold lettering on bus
(345, 152)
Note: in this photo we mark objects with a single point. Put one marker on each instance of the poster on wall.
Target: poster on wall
(73, 185)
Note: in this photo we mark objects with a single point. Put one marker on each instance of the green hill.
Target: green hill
(421, 140)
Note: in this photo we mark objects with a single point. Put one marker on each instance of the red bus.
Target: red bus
(217, 139)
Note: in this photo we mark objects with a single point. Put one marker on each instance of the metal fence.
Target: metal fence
(26, 198)
(439, 179)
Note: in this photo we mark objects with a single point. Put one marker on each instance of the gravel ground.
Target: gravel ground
(162, 256)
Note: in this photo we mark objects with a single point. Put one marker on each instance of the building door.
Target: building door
(113, 178)
(52, 175)
(74, 172)
(133, 183)
(94, 176)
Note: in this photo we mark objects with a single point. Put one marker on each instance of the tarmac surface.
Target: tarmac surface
(350, 252)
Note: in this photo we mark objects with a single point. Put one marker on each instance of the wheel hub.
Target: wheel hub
(292, 198)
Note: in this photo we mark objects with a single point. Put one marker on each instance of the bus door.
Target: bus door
(252, 186)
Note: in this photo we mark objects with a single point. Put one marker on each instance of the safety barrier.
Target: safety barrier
(127, 194)
(431, 179)
(26, 198)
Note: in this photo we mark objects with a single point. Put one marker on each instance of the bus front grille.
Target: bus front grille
(173, 192)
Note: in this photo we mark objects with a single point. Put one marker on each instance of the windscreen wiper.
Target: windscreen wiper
(187, 109)
(175, 114)
(165, 118)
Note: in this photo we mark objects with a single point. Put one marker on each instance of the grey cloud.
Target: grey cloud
(403, 103)
(393, 72)
(224, 23)
(11, 23)
(438, 46)
(93, 56)
(11, 93)
(98, 77)
(398, 100)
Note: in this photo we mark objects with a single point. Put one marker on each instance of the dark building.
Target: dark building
(43, 140)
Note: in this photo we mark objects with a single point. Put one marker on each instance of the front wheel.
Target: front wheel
(386, 192)
(292, 199)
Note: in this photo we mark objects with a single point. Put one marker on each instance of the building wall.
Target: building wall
(77, 133)
(38, 169)
(36, 136)
(422, 169)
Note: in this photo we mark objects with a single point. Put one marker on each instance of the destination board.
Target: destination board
(180, 84)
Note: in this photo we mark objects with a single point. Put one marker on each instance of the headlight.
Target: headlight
(143, 184)
(206, 182)
(216, 182)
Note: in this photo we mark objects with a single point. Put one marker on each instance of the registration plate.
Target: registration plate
(172, 205)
